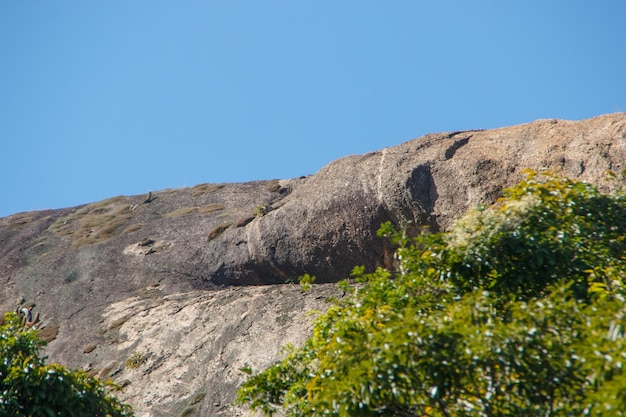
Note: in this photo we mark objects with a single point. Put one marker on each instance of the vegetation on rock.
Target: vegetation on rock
(94, 223)
(136, 360)
(29, 387)
(518, 310)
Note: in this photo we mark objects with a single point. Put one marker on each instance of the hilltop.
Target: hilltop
(195, 282)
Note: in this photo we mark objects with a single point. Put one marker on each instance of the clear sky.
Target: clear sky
(106, 98)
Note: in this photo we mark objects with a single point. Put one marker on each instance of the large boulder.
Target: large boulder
(193, 283)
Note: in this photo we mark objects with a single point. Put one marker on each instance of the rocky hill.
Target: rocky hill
(170, 293)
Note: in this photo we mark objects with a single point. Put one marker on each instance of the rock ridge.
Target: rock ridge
(194, 279)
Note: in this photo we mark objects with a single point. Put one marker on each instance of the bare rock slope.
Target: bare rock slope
(189, 284)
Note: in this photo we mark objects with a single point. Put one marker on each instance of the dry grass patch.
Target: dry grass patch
(273, 186)
(39, 248)
(210, 208)
(218, 230)
(109, 370)
(94, 223)
(18, 221)
(132, 228)
(49, 333)
(245, 220)
(90, 348)
(40, 243)
(184, 211)
(116, 324)
(202, 189)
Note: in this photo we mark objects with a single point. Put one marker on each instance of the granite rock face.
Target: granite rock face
(192, 282)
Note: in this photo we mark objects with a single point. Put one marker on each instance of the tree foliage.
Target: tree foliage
(518, 310)
(29, 387)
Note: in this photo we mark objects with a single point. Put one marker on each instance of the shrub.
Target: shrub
(29, 387)
(519, 310)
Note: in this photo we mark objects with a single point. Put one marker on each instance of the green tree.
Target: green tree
(518, 310)
(29, 387)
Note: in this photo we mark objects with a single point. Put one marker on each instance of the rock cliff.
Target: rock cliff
(192, 284)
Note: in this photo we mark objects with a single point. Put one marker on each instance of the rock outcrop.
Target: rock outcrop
(191, 284)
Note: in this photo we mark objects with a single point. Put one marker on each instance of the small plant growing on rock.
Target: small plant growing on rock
(136, 360)
(306, 281)
(262, 210)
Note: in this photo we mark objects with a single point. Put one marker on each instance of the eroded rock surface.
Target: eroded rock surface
(196, 342)
(194, 279)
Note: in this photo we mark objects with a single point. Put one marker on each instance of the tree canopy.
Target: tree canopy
(29, 387)
(518, 310)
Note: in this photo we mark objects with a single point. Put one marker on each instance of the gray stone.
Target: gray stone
(192, 281)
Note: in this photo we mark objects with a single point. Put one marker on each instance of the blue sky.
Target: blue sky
(99, 99)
